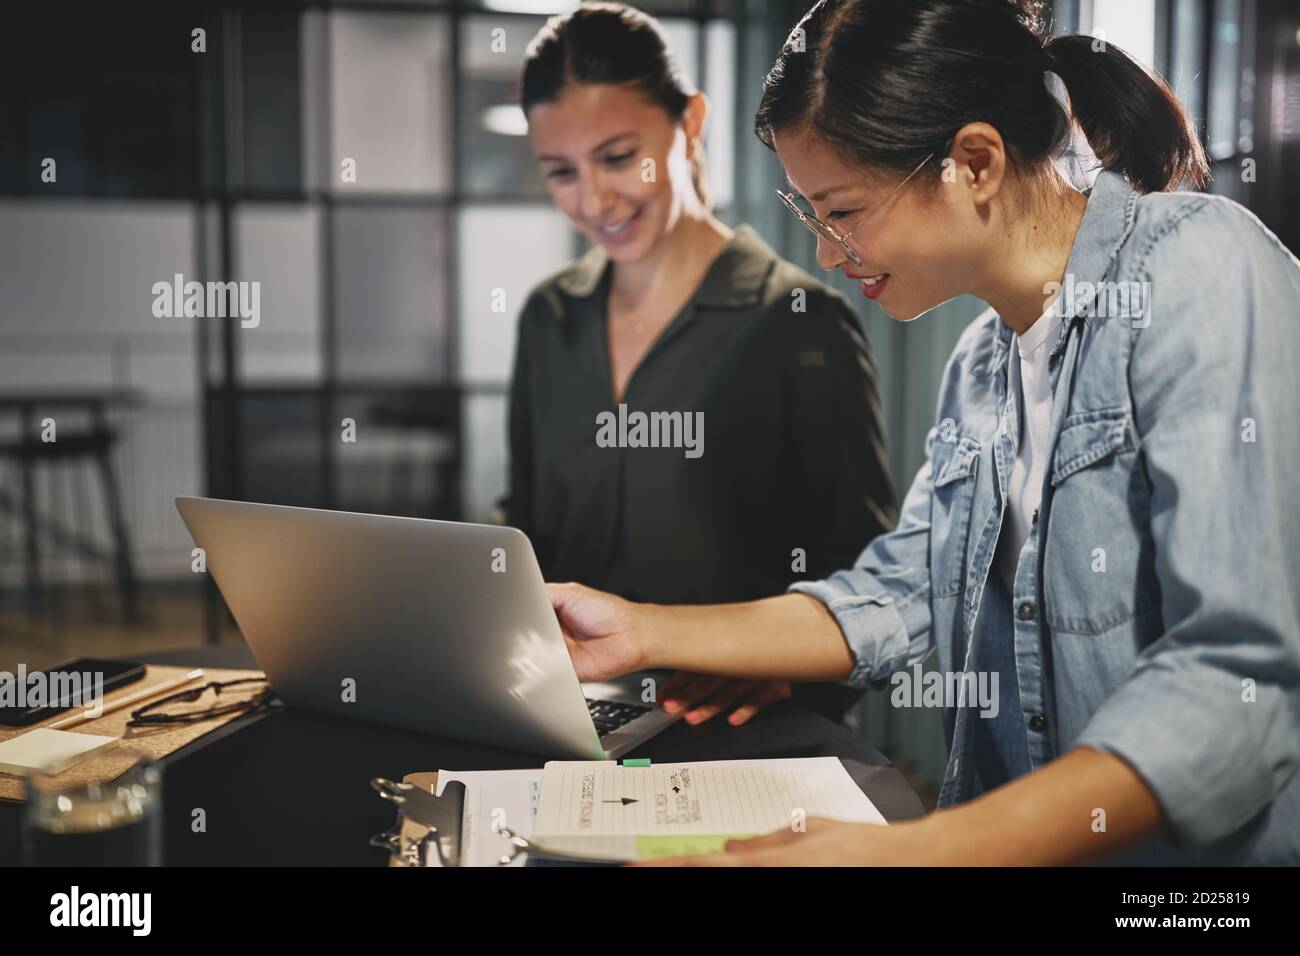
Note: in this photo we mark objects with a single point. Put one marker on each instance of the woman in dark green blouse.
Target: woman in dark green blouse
(692, 419)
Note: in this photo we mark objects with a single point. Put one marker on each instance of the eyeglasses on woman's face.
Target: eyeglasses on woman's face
(824, 230)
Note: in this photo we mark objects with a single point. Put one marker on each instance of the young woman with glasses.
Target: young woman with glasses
(1104, 521)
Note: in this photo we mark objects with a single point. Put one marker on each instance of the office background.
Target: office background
(377, 296)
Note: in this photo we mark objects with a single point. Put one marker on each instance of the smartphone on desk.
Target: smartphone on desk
(31, 696)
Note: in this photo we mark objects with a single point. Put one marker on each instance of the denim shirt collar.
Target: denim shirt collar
(1107, 220)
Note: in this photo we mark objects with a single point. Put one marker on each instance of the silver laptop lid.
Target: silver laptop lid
(434, 626)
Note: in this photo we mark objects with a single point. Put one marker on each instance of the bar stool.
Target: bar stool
(92, 444)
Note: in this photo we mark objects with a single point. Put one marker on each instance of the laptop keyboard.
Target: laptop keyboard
(610, 715)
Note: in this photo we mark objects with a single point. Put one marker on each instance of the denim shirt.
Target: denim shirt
(1155, 608)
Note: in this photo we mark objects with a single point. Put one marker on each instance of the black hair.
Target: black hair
(888, 81)
(609, 43)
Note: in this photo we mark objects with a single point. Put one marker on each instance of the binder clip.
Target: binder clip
(429, 827)
(437, 822)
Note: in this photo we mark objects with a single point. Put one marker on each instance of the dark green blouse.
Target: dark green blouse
(793, 456)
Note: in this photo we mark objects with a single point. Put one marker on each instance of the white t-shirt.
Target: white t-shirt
(1027, 373)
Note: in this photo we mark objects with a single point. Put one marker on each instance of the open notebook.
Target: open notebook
(601, 810)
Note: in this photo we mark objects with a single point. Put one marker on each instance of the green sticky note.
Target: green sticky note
(637, 762)
(684, 844)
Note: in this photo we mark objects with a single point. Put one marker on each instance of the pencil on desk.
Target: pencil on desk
(143, 694)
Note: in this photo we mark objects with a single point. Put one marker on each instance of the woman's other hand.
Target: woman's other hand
(704, 696)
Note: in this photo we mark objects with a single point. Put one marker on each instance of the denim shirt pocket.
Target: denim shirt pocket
(1100, 504)
(1091, 437)
(954, 465)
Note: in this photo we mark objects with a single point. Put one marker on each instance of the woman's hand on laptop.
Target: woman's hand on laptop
(704, 696)
(600, 630)
(608, 636)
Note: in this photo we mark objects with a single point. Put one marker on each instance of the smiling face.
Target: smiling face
(616, 164)
(924, 241)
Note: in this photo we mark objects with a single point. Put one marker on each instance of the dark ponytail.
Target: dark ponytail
(1132, 120)
(889, 81)
(609, 43)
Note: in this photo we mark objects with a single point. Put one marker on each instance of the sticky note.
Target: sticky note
(685, 844)
(637, 762)
(50, 751)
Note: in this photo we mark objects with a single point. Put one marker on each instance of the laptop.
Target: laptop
(441, 627)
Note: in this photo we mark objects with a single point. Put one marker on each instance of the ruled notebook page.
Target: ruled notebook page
(602, 810)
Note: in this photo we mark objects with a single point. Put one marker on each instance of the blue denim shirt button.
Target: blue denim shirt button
(1026, 611)
(1038, 722)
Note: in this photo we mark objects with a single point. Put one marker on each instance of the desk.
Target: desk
(293, 788)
